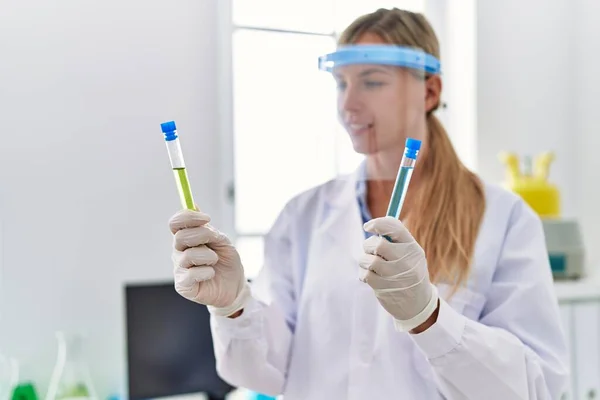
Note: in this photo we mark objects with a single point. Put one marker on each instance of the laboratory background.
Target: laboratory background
(84, 87)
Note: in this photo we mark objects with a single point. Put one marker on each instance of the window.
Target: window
(281, 101)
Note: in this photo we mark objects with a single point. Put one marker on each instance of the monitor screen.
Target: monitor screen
(169, 345)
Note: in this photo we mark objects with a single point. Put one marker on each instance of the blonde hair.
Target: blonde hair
(448, 206)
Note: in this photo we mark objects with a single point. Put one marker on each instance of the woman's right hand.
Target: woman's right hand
(207, 267)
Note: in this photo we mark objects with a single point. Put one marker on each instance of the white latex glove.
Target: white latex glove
(397, 272)
(207, 267)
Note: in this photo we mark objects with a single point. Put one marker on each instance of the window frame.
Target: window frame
(226, 30)
(444, 15)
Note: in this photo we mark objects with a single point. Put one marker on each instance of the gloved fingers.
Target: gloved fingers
(406, 281)
(390, 227)
(362, 274)
(393, 283)
(195, 256)
(366, 263)
(200, 274)
(188, 282)
(185, 286)
(187, 219)
(379, 246)
(366, 260)
(377, 282)
(384, 268)
(190, 277)
(375, 264)
(192, 237)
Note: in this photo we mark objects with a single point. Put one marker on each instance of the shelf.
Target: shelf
(582, 290)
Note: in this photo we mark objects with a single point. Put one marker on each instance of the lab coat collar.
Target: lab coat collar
(348, 188)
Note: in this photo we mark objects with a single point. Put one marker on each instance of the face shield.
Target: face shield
(381, 102)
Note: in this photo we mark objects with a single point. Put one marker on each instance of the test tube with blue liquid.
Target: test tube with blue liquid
(407, 165)
(178, 164)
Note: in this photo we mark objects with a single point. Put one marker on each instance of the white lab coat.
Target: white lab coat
(314, 331)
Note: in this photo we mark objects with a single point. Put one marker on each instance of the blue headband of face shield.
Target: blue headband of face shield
(399, 56)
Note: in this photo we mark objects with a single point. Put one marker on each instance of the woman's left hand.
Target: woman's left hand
(397, 272)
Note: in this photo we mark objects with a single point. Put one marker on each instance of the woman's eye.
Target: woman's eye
(341, 85)
(373, 84)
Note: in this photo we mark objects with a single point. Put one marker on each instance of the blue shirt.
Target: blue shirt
(361, 196)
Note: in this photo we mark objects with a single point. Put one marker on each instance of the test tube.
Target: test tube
(176, 156)
(409, 158)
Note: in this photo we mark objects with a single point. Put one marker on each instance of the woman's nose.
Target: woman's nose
(350, 100)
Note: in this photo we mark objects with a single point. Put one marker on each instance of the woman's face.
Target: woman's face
(380, 106)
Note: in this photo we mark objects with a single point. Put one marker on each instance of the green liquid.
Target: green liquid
(79, 391)
(183, 186)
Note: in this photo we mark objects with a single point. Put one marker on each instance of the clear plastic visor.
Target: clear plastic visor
(382, 99)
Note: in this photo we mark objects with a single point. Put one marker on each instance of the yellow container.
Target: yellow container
(533, 186)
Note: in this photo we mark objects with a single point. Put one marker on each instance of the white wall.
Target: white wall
(586, 158)
(85, 181)
(537, 90)
(455, 25)
(525, 85)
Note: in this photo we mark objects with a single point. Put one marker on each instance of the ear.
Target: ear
(433, 92)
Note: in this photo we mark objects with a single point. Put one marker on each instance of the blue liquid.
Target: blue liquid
(399, 193)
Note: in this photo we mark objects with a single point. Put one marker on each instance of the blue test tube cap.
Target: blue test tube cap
(169, 129)
(412, 148)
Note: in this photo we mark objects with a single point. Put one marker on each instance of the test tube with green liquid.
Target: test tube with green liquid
(177, 163)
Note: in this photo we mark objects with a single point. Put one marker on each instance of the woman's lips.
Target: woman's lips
(357, 129)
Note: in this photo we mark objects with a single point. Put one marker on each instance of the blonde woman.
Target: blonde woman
(456, 301)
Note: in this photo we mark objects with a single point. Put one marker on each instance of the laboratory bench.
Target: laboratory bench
(579, 303)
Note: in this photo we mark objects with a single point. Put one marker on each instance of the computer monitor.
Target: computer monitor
(169, 345)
